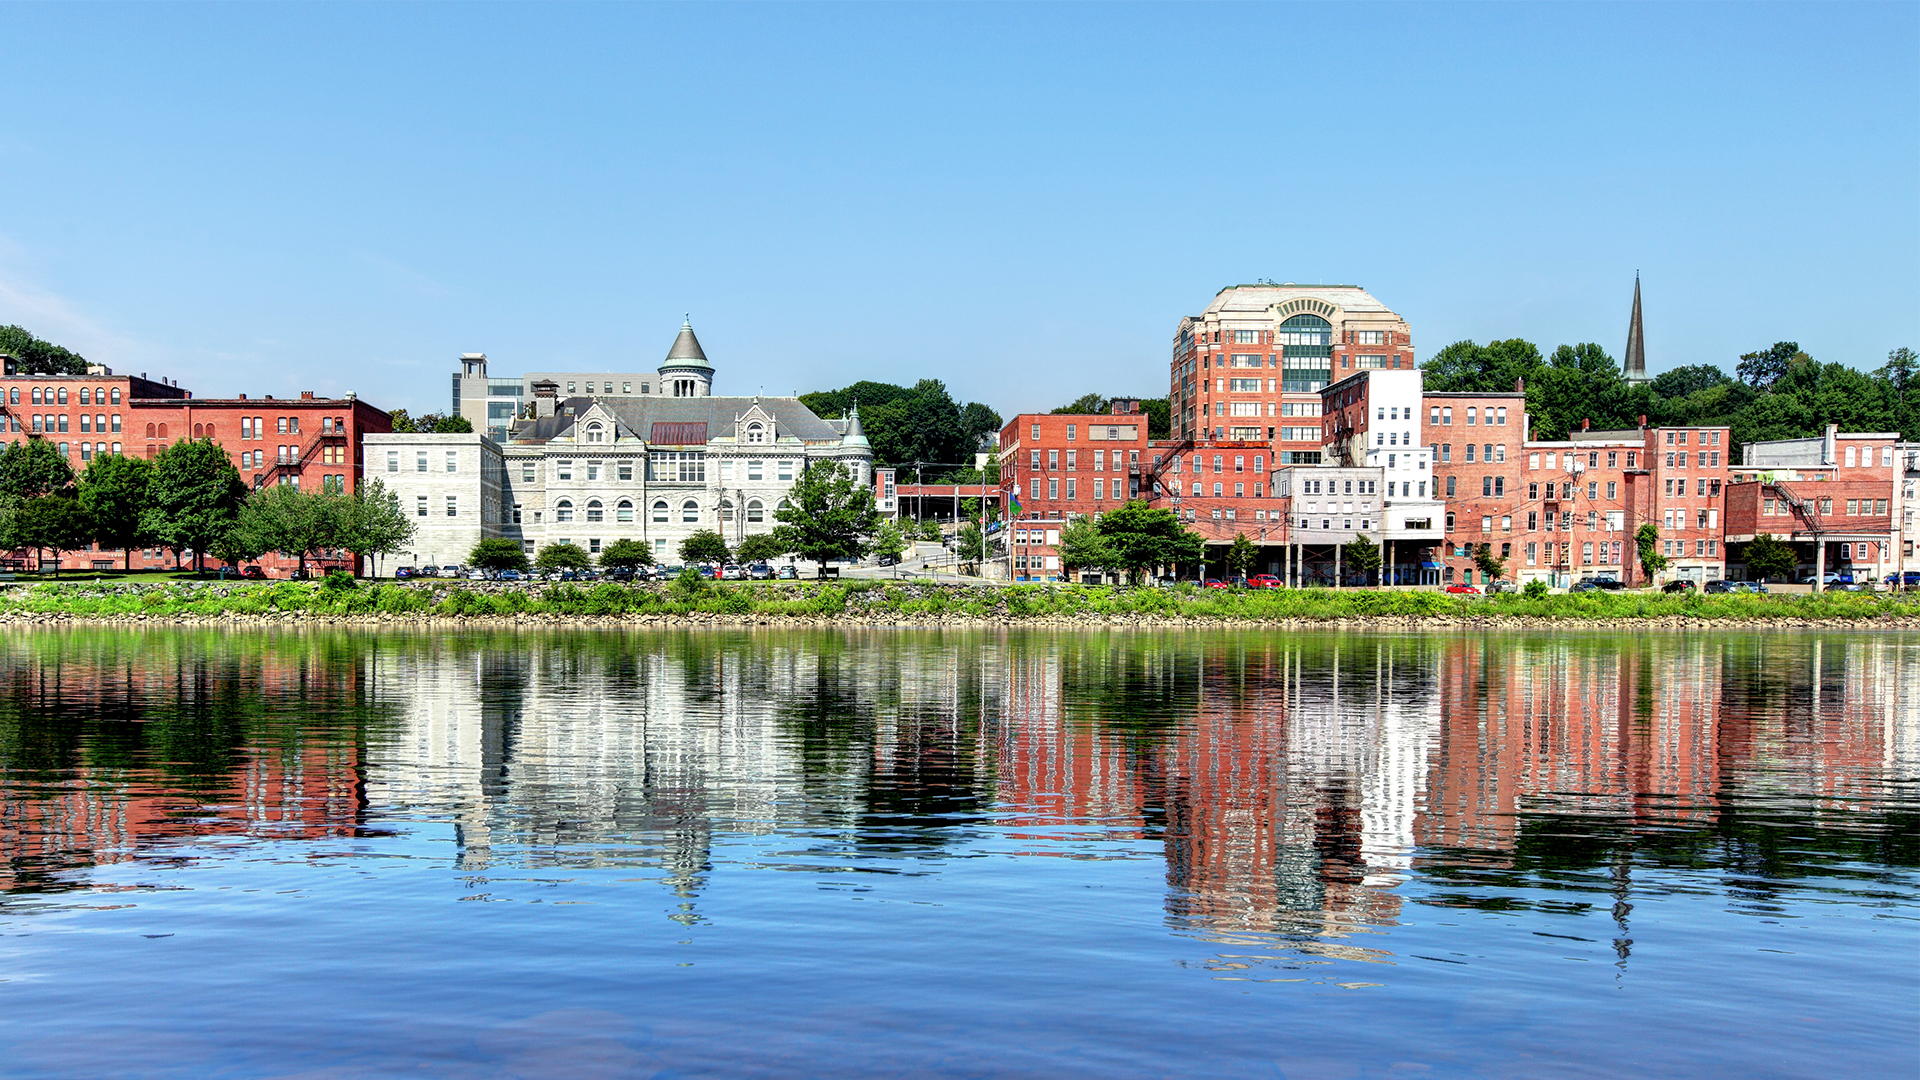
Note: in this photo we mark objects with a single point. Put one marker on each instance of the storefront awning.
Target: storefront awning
(1429, 566)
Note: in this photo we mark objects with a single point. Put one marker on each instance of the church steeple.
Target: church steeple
(1634, 366)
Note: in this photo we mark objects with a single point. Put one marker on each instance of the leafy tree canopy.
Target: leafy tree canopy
(1241, 555)
(1768, 558)
(908, 424)
(1360, 555)
(37, 355)
(760, 547)
(371, 521)
(826, 515)
(499, 554)
(1141, 538)
(31, 468)
(626, 553)
(48, 522)
(1083, 405)
(705, 546)
(193, 497)
(113, 492)
(453, 425)
(557, 557)
(1082, 545)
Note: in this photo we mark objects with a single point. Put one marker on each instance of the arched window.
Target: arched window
(594, 512)
(36, 396)
(197, 431)
(756, 433)
(163, 431)
(756, 511)
(594, 433)
(210, 432)
(564, 511)
(13, 396)
(726, 509)
(623, 510)
(660, 511)
(150, 427)
(690, 510)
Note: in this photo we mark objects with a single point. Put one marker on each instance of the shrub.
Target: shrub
(1535, 589)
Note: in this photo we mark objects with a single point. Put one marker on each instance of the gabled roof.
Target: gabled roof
(637, 417)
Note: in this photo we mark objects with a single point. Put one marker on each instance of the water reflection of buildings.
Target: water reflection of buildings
(112, 752)
(1281, 777)
(1655, 729)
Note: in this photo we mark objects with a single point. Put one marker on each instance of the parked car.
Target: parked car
(1215, 583)
(450, 571)
(253, 573)
(760, 572)
(1501, 586)
(1459, 588)
(733, 572)
(428, 571)
(1264, 581)
(1911, 579)
(1605, 584)
(1717, 587)
(621, 573)
(476, 575)
(888, 560)
(1834, 577)
(789, 573)
(1681, 586)
(512, 575)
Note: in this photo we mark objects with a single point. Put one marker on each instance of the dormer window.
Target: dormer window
(595, 433)
(756, 433)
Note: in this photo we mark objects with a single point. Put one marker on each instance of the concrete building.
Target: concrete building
(654, 467)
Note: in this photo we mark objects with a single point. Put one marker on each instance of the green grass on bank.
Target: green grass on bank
(917, 600)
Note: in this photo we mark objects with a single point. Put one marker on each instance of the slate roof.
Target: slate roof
(638, 415)
(686, 351)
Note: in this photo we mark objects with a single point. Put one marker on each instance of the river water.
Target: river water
(958, 854)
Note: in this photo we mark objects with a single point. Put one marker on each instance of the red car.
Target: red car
(1264, 581)
(1216, 583)
(1463, 589)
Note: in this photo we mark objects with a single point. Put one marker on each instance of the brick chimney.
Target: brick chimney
(1586, 424)
(1643, 421)
(306, 395)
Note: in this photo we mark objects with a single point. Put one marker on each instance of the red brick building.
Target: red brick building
(1474, 441)
(312, 443)
(1054, 467)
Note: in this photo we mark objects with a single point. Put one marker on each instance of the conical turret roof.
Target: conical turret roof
(854, 436)
(686, 351)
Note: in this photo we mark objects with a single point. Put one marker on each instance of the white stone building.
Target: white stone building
(591, 470)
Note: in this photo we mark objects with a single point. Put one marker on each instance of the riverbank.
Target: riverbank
(889, 603)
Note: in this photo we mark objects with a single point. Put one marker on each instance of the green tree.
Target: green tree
(1241, 554)
(1903, 391)
(48, 521)
(1688, 380)
(1142, 538)
(1360, 554)
(1493, 566)
(1768, 558)
(1083, 405)
(1765, 367)
(37, 355)
(921, 423)
(705, 546)
(1082, 546)
(888, 540)
(760, 547)
(978, 421)
(402, 420)
(372, 522)
(31, 468)
(193, 496)
(236, 546)
(498, 554)
(826, 515)
(453, 425)
(972, 545)
(1159, 413)
(1647, 539)
(292, 522)
(113, 492)
(555, 558)
(626, 554)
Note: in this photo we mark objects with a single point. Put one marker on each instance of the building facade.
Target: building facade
(494, 403)
(589, 470)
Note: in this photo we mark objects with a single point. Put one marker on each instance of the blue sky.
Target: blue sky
(1021, 201)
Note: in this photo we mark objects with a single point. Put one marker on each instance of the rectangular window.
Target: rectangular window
(453, 461)
(1053, 489)
(626, 470)
(1533, 522)
(1470, 448)
(419, 460)
(1073, 460)
(420, 504)
(1613, 487)
(1070, 431)
(453, 506)
(1072, 485)
(1246, 337)
(563, 469)
(1244, 386)
(393, 461)
(1035, 492)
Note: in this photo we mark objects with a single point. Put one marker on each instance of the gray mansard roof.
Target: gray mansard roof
(637, 416)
